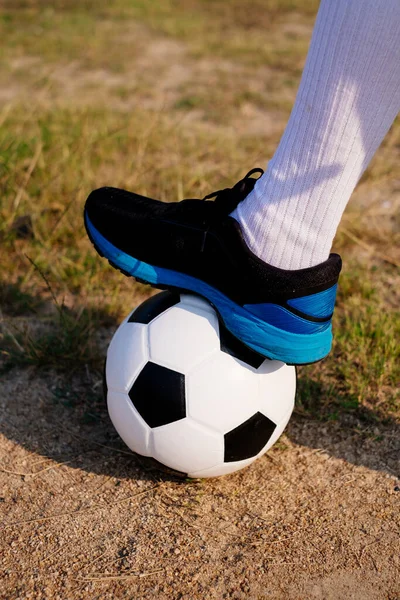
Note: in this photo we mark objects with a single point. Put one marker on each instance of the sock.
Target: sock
(348, 97)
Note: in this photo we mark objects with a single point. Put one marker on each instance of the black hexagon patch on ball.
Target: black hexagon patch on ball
(231, 345)
(154, 306)
(158, 394)
(249, 438)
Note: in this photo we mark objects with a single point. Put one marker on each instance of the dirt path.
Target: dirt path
(318, 517)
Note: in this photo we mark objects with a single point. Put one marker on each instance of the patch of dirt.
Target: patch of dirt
(317, 517)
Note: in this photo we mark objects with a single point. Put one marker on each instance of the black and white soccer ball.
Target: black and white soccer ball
(182, 390)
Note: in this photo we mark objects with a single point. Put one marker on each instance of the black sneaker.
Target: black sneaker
(195, 246)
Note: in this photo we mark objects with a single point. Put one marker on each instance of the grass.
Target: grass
(364, 369)
(67, 343)
(158, 97)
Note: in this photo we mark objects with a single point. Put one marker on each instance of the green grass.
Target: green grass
(85, 111)
(68, 342)
(363, 371)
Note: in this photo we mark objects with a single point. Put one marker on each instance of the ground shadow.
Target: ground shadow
(61, 413)
(356, 434)
(63, 416)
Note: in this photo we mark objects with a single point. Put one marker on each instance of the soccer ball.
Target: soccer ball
(183, 390)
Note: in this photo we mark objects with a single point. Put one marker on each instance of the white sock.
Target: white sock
(348, 97)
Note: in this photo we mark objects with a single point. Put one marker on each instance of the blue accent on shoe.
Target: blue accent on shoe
(281, 317)
(272, 342)
(316, 305)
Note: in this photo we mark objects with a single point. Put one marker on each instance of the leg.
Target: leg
(349, 96)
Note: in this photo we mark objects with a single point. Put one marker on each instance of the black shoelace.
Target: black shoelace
(228, 198)
(238, 190)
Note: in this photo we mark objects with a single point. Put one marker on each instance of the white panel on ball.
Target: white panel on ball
(222, 392)
(196, 302)
(126, 356)
(187, 446)
(277, 388)
(182, 337)
(128, 423)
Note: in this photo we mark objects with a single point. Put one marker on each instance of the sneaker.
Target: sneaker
(194, 246)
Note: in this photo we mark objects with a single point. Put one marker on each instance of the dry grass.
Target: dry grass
(53, 158)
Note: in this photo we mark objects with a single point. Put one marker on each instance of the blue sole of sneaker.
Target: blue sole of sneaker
(269, 341)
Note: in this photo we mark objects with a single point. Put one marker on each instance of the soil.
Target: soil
(317, 517)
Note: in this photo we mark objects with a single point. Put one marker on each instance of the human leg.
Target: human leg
(348, 97)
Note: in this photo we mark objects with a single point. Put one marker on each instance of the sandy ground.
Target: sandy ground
(81, 517)
(318, 517)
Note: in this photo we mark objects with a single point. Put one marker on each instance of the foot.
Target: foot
(196, 247)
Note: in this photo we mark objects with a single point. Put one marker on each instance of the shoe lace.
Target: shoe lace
(228, 198)
(241, 187)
